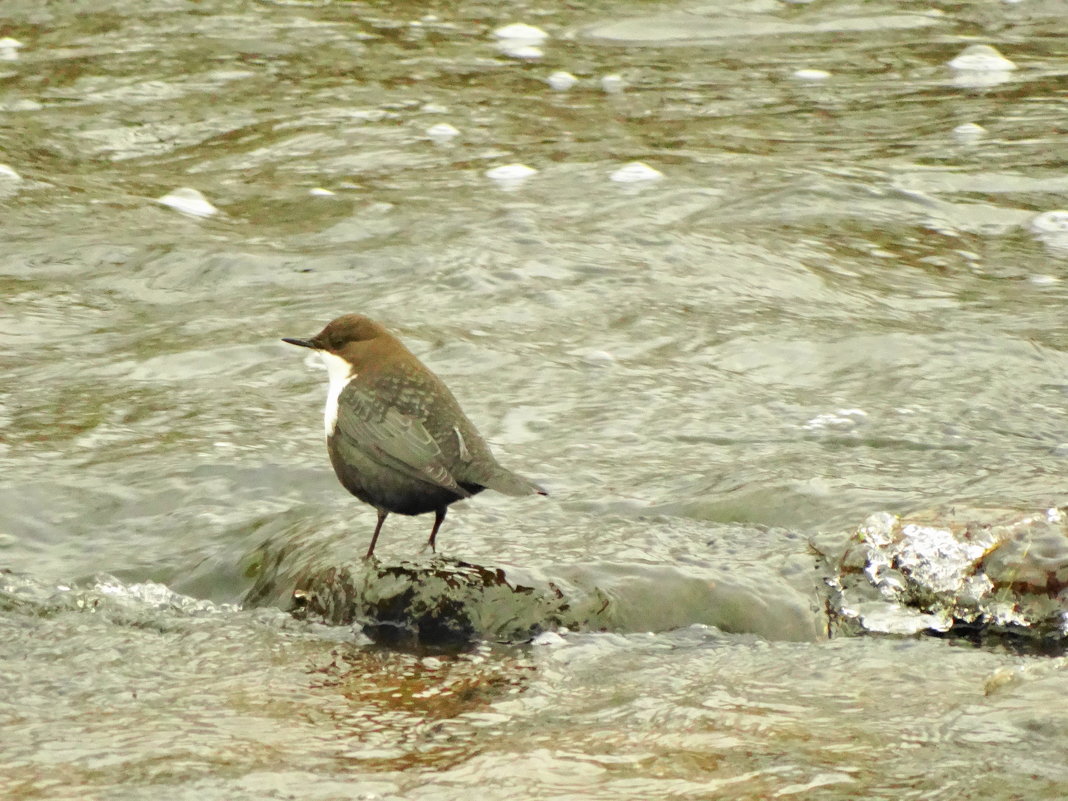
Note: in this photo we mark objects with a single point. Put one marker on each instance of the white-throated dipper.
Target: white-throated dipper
(395, 434)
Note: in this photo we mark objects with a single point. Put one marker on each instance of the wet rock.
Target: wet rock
(441, 603)
(978, 573)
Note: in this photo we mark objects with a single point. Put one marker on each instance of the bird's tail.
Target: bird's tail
(509, 483)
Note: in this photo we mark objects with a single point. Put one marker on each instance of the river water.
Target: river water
(835, 288)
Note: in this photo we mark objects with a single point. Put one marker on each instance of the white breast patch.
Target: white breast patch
(340, 372)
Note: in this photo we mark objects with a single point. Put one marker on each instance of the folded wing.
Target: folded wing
(393, 439)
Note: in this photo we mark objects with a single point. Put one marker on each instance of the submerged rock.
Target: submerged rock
(969, 572)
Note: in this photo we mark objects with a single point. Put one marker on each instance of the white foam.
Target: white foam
(1051, 222)
(840, 419)
(549, 639)
(1051, 229)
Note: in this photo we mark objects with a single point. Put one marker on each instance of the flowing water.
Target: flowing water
(838, 287)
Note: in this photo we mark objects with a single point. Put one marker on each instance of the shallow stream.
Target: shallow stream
(837, 287)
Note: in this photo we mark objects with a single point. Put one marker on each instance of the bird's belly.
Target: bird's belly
(387, 488)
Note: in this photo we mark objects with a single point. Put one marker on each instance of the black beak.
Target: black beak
(304, 343)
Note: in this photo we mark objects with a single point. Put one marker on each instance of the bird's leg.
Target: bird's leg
(439, 516)
(374, 538)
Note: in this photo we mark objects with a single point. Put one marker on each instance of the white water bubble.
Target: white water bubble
(520, 40)
(522, 32)
(613, 84)
(510, 176)
(981, 66)
(597, 358)
(981, 80)
(969, 132)
(982, 58)
(527, 52)
(561, 81)
(9, 49)
(442, 132)
(636, 172)
(811, 75)
(8, 174)
(321, 192)
(188, 201)
(510, 172)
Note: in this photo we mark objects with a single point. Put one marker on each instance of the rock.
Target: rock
(978, 573)
(441, 603)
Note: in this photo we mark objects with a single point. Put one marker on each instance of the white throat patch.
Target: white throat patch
(340, 372)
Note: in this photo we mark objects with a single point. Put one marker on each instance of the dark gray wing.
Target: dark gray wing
(392, 438)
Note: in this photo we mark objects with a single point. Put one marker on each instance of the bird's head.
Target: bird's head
(340, 333)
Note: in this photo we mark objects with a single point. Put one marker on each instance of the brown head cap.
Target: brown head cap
(346, 329)
(343, 331)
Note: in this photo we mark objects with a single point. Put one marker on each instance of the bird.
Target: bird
(396, 435)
